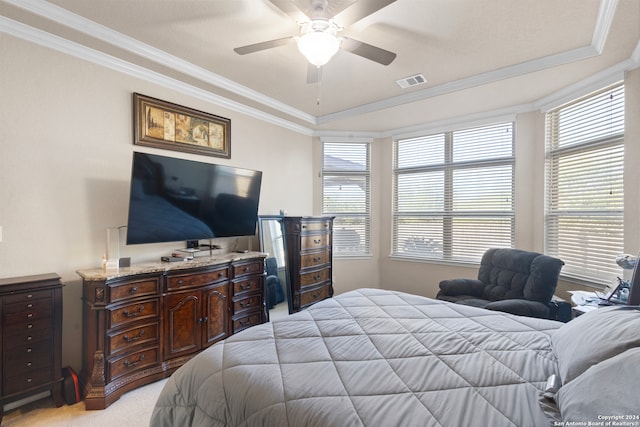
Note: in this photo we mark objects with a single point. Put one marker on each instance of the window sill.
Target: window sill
(469, 264)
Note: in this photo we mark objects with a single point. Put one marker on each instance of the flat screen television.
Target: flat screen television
(174, 200)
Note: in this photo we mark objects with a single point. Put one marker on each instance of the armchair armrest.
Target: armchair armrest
(471, 287)
(520, 307)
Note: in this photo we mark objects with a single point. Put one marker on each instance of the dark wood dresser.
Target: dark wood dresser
(31, 337)
(141, 323)
(309, 246)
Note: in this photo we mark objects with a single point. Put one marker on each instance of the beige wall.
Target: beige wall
(65, 164)
(65, 158)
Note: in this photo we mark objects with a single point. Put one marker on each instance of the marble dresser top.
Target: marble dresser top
(99, 274)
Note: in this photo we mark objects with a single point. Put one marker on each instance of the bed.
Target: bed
(373, 357)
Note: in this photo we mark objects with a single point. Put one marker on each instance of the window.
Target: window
(584, 189)
(346, 194)
(454, 194)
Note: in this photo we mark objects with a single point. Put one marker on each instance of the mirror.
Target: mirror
(276, 281)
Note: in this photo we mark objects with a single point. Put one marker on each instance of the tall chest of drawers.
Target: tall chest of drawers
(309, 246)
(31, 337)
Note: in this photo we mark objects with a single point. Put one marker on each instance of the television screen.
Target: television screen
(174, 199)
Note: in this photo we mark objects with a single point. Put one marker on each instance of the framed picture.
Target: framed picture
(161, 124)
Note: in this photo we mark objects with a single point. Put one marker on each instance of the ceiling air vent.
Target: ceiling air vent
(418, 79)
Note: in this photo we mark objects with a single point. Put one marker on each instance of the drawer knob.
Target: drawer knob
(29, 305)
(317, 241)
(245, 286)
(29, 326)
(135, 313)
(30, 296)
(127, 338)
(29, 380)
(244, 304)
(315, 295)
(29, 350)
(221, 274)
(180, 282)
(129, 364)
(29, 338)
(203, 320)
(317, 259)
(245, 322)
(317, 276)
(133, 290)
(29, 364)
(29, 316)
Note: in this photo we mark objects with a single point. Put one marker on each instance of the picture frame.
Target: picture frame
(162, 124)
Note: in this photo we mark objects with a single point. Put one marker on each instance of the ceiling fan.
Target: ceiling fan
(319, 40)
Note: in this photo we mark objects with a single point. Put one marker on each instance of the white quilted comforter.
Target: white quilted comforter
(369, 358)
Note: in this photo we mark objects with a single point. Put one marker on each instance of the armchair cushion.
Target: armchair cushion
(521, 307)
(511, 280)
(471, 287)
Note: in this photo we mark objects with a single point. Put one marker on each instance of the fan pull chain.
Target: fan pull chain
(319, 89)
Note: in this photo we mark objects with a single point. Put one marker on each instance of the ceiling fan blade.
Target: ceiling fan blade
(368, 51)
(313, 73)
(290, 8)
(360, 10)
(256, 47)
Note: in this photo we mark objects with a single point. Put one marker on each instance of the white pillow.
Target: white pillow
(593, 337)
(607, 389)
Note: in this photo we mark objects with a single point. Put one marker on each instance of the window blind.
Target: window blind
(453, 194)
(346, 177)
(584, 185)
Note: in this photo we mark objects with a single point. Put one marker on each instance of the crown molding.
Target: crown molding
(42, 38)
(62, 16)
(115, 38)
(605, 17)
(79, 23)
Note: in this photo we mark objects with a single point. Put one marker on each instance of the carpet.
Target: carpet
(133, 409)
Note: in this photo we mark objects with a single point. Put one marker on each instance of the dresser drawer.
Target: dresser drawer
(16, 314)
(251, 284)
(315, 259)
(29, 331)
(124, 340)
(138, 288)
(18, 354)
(21, 382)
(247, 303)
(314, 295)
(28, 339)
(315, 225)
(144, 358)
(314, 277)
(314, 241)
(198, 279)
(27, 363)
(247, 321)
(133, 312)
(26, 296)
(250, 268)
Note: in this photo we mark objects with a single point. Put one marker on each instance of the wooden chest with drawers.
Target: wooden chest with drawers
(31, 337)
(142, 322)
(309, 245)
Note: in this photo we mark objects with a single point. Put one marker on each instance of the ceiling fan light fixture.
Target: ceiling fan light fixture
(319, 42)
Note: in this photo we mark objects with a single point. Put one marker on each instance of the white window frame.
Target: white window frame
(443, 214)
(585, 226)
(348, 241)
